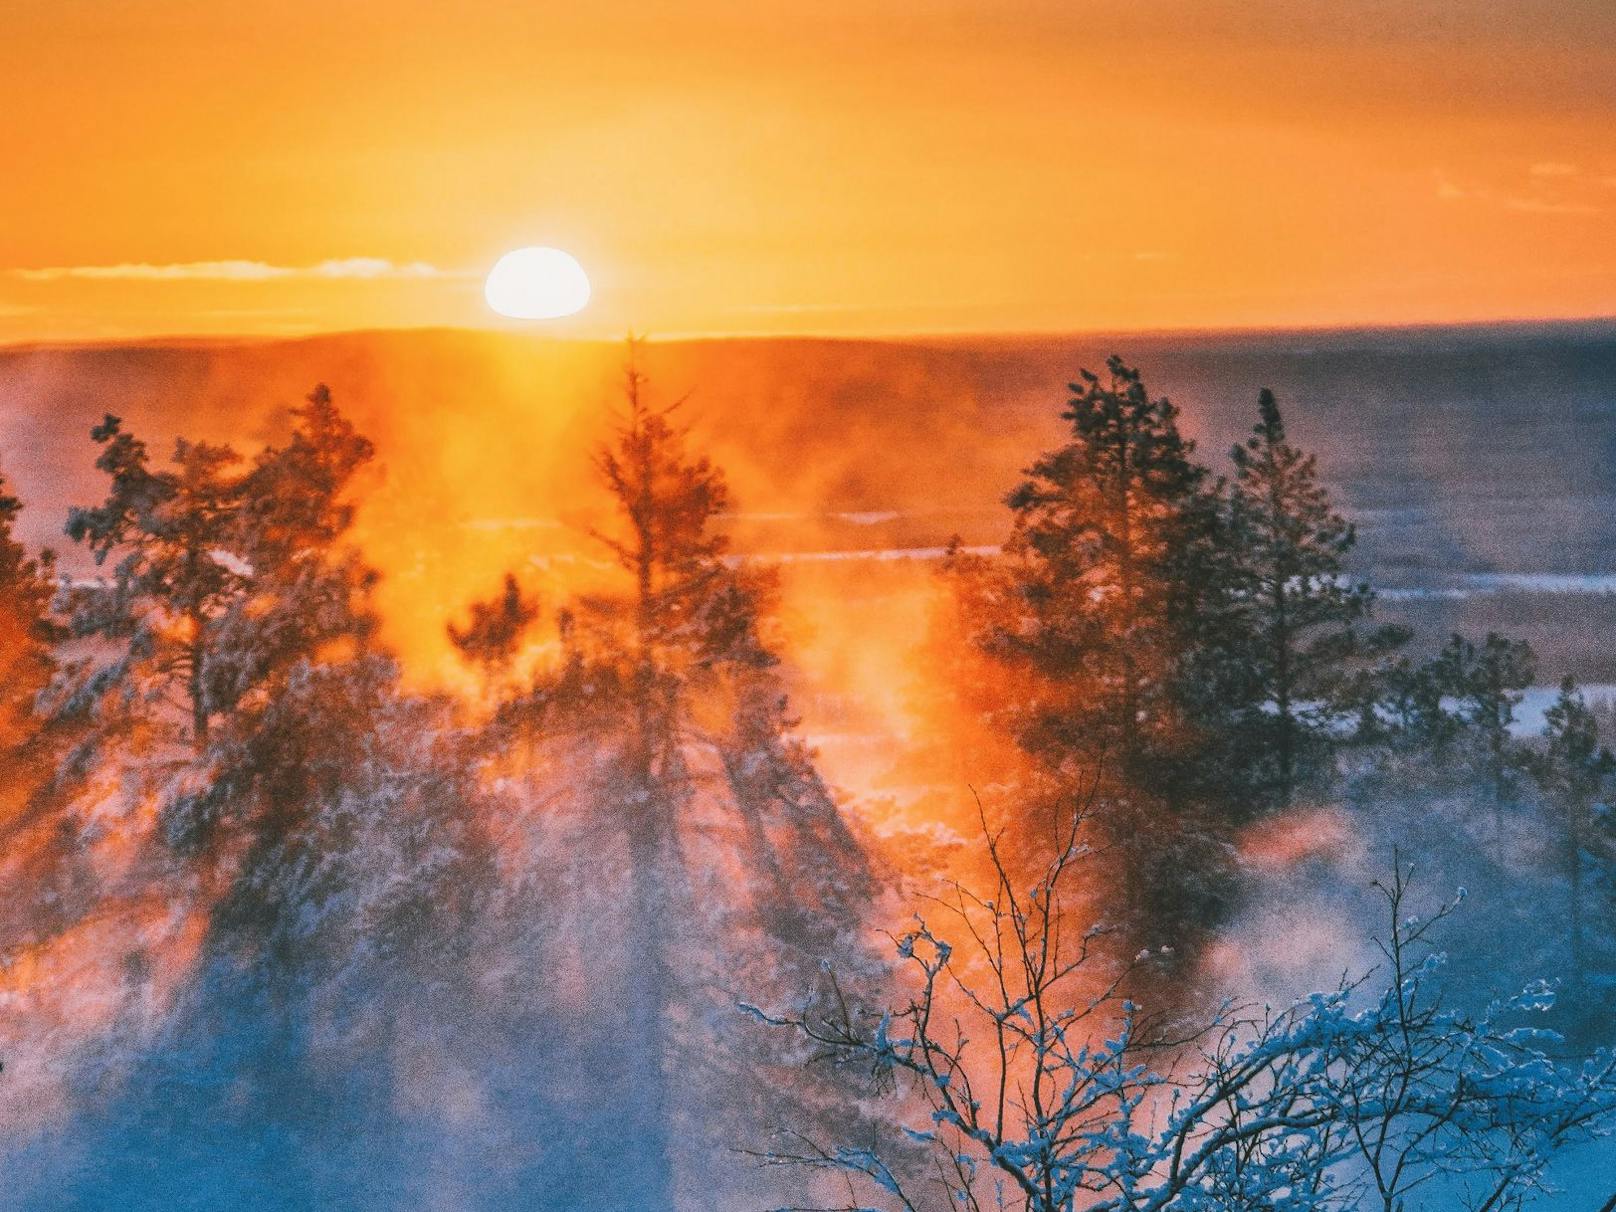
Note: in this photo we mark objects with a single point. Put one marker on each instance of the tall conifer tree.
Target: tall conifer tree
(679, 649)
(308, 589)
(1109, 610)
(173, 532)
(223, 579)
(1298, 611)
(1110, 575)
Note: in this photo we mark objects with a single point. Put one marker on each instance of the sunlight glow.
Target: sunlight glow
(537, 284)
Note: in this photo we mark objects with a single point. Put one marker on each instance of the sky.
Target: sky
(844, 166)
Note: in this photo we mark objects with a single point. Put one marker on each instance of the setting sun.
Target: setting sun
(537, 284)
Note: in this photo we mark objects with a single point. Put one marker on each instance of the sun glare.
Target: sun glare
(537, 284)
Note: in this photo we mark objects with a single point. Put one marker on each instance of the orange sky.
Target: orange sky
(858, 166)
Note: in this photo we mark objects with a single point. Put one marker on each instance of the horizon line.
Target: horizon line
(893, 336)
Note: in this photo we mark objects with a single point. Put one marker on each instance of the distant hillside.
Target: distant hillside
(1465, 450)
(1477, 448)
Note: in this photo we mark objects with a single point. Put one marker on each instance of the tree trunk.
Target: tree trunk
(1125, 583)
(197, 688)
(1286, 740)
(649, 985)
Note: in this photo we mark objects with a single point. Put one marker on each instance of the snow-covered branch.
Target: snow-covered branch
(1046, 1089)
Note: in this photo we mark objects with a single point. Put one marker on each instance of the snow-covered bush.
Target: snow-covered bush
(1024, 1078)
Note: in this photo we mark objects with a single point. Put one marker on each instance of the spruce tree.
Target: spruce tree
(1298, 612)
(688, 615)
(681, 634)
(662, 745)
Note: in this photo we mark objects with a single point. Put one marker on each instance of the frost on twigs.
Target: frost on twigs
(1047, 1091)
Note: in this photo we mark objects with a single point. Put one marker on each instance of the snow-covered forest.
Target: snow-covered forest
(1229, 889)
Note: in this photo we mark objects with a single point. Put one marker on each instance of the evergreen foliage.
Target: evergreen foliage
(224, 579)
(1574, 772)
(176, 574)
(493, 636)
(374, 872)
(1299, 613)
(1485, 684)
(1109, 558)
(684, 818)
(28, 630)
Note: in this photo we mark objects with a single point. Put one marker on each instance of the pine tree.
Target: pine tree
(1399, 705)
(336, 816)
(1299, 612)
(177, 573)
(688, 613)
(302, 616)
(308, 587)
(354, 869)
(1574, 771)
(1112, 572)
(224, 578)
(682, 632)
(1109, 611)
(664, 752)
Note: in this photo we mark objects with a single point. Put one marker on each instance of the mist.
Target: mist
(431, 998)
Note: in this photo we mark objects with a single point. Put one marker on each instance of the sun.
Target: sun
(537, 284)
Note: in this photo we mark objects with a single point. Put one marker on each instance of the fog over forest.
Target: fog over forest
(460, 770)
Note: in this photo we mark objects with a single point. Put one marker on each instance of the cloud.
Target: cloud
(362, 268)
(1554, 168)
